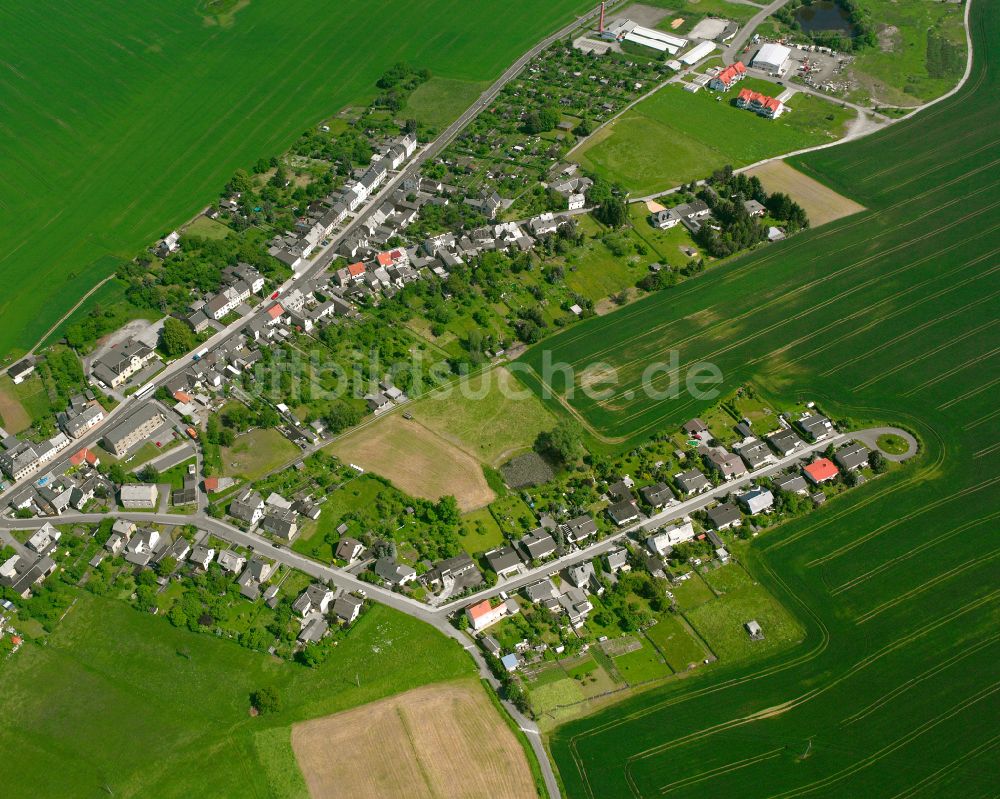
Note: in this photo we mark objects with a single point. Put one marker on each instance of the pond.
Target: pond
(824, 15)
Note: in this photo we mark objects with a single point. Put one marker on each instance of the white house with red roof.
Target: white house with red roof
(483, 614)
(821, 470)
(769, 107)
(395, 257)
(729, 77)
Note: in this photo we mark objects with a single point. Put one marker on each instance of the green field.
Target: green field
(490, 416)
(440, 100)
(120, 703)
(890, 315)
(257, 452)
(675, 136)
(123, 121)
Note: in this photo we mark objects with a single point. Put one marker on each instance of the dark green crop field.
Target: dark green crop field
(122, 120)
(892, 314)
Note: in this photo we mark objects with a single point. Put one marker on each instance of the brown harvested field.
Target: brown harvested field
(416, 460)
(822, 204)
(13, 417)
(437, 741)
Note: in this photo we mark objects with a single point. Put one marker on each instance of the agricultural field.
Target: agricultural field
(419, 743)
(889, 314)
(151, 75)
(821, 203)
(417, 460)
(151, 695)
(675, 136)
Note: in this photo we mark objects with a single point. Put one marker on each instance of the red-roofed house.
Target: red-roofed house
(275, 312)
(769, 107)
(182, 396)
(396, 257)
(484, 614)
(820, 471)
(211, 485)
(356, 270)
(84, 455)
(728, 78)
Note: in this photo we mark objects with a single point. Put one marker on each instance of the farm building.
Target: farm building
(771, 58)
(698, 52)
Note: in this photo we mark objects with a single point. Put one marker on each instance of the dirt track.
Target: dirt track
(430, 743)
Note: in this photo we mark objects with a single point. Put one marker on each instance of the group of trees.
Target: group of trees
(396, 83)
(540, 120)
(563, 444)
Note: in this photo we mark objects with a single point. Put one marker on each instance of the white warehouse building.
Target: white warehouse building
(771, 58)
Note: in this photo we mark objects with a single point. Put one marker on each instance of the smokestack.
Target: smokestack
(600, 27)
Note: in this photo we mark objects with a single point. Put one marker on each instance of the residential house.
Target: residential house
(623, 512)
(281, 522)
(138, 496)
(140, 426)
(785, 442)
(755, 453)
(754, 208)
(583, 576)
(248, 507)
(43, 541)
(504, 561)
(349, 549)
(20, 459)
(578, 529)
(119, 362)
(202, 556)
(756, 500)
(728, 77)
(21, 370)
(730, 466)
(543, 593)
(617, 560)
(313, 631)
(820, 470)
(141, 547)
(315, 599)
(483, 614)
(393, 573)
(230, 561)
(574, 601)
(725, 516)
(792, 484)
(816, 427)
(657, 495)
(663, 540)
(75, 423)
(538, 544)
(692, 482)
(455, 574)
(347, 608)
(852, 457)
(187, 494)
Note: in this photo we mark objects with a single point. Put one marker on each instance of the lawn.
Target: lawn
(887, 314)
(155, 698)
(480, 532)
(255, 453)
(13, 415)
(892, 444)
(152, 75)
(440, 100)
(643, 665)
(675, 136)
(207, 228)
(675, 642)
(699, 8)
(489, 416)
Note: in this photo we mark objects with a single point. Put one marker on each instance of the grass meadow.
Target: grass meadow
(675, 136)
(122, 122)
(121, 703)
(889, 314)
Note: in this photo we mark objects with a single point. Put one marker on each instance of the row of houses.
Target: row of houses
(767, 107)
(20, 457)
(239, 283)
(275, 515)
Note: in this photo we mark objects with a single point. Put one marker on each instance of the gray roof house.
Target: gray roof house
(579, 528)
(280, 522)
(657, 495)
(727, 464)
(791, 483)
(349, 549)
(756, 454)
(504, 561)
(785, 442)
(816, 427)
(756, 500)
(248, 507)
(725, 516)
(347, 607)
(538, 544)
(394, 573)
(623, 512)
(852, 456)
(692, 482)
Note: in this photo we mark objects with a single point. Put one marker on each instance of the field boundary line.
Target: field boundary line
(967, 394)
(736, 765)
(935, 776)
(954, 370)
